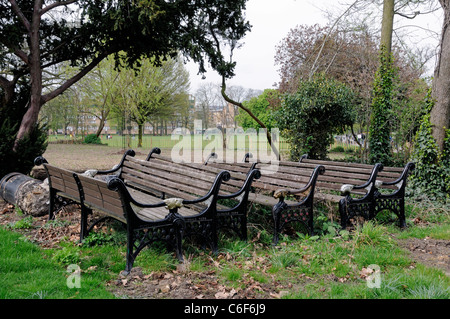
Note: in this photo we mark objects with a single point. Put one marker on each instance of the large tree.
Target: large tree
(440, 113)
(36, 35)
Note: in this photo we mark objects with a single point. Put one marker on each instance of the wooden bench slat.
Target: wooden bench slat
(175, 180)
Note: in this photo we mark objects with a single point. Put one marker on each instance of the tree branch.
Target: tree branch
(73, 79)
(411, 16)
(328, 34)
(21, 55)
(20, 14)
(238, 104)
(56, 4)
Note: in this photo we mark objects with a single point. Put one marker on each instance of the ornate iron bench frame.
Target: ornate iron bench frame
(112, 199)
(375, 200)
(285, 207)
(209, 220)
(233, 217)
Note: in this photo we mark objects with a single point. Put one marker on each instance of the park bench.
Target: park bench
(147, 218)
(234, 191)
(359, 189)
(289, 194)
(362, 189)
(159, 177)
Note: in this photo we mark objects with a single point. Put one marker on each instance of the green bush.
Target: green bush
(31, 146)
(309, 118)
(431, 176)
(92, 139)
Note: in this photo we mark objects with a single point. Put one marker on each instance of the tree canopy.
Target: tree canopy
(36, 35)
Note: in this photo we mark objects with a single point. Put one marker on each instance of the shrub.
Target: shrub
(92, 139)
(308, 119)
(431, 177)
(31, 146)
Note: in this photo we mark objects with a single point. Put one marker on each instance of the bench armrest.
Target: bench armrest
(372, 181)
(38, 161)
(408, 168)
(223, 176)
(118, 166)
(116, 184)
(253, 174)
(155, 150)
(282, 193)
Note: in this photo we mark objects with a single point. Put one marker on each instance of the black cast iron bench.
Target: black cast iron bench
(235, 191)
(362, 189)
(146, 222)
(287, 192)
(359, 189)
(192, 212)
(160, 177)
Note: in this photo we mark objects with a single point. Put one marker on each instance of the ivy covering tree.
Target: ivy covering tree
(431, 176)
(309, 118)
(383, 92)
(34, 143)
(38, 35)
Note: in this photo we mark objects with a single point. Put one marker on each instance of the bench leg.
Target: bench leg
(84, 222)
(130, 246)
(276, 214)
(179, 225)
(401, 214)
(395, 205)
(343, 213)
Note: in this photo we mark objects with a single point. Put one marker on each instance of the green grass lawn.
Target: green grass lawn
(328, 266)
(29, 272)
(168, 142)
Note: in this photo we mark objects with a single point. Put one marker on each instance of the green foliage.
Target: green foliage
(67, 255)
(431, 176)
(382, 103)
(308, 119)
(92, 139)
(31, 146)
(24, 223)
(144, 29)
(263, 107)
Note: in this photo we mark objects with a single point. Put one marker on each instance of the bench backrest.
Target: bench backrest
(95, 194)
(388, 173)
(62, 181)
(334, 176)
(160, 176)
(352, 173)
(274, 176)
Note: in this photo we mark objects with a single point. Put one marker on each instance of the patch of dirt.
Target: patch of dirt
(185, 284)
(430, 252)
(47, 235)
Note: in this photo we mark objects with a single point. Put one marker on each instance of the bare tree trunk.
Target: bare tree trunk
(387, 25)
(440, 114)
(140, 133)
(30, 118)
(101, 126)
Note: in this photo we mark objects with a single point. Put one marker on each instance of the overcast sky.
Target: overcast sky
(271, 21)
